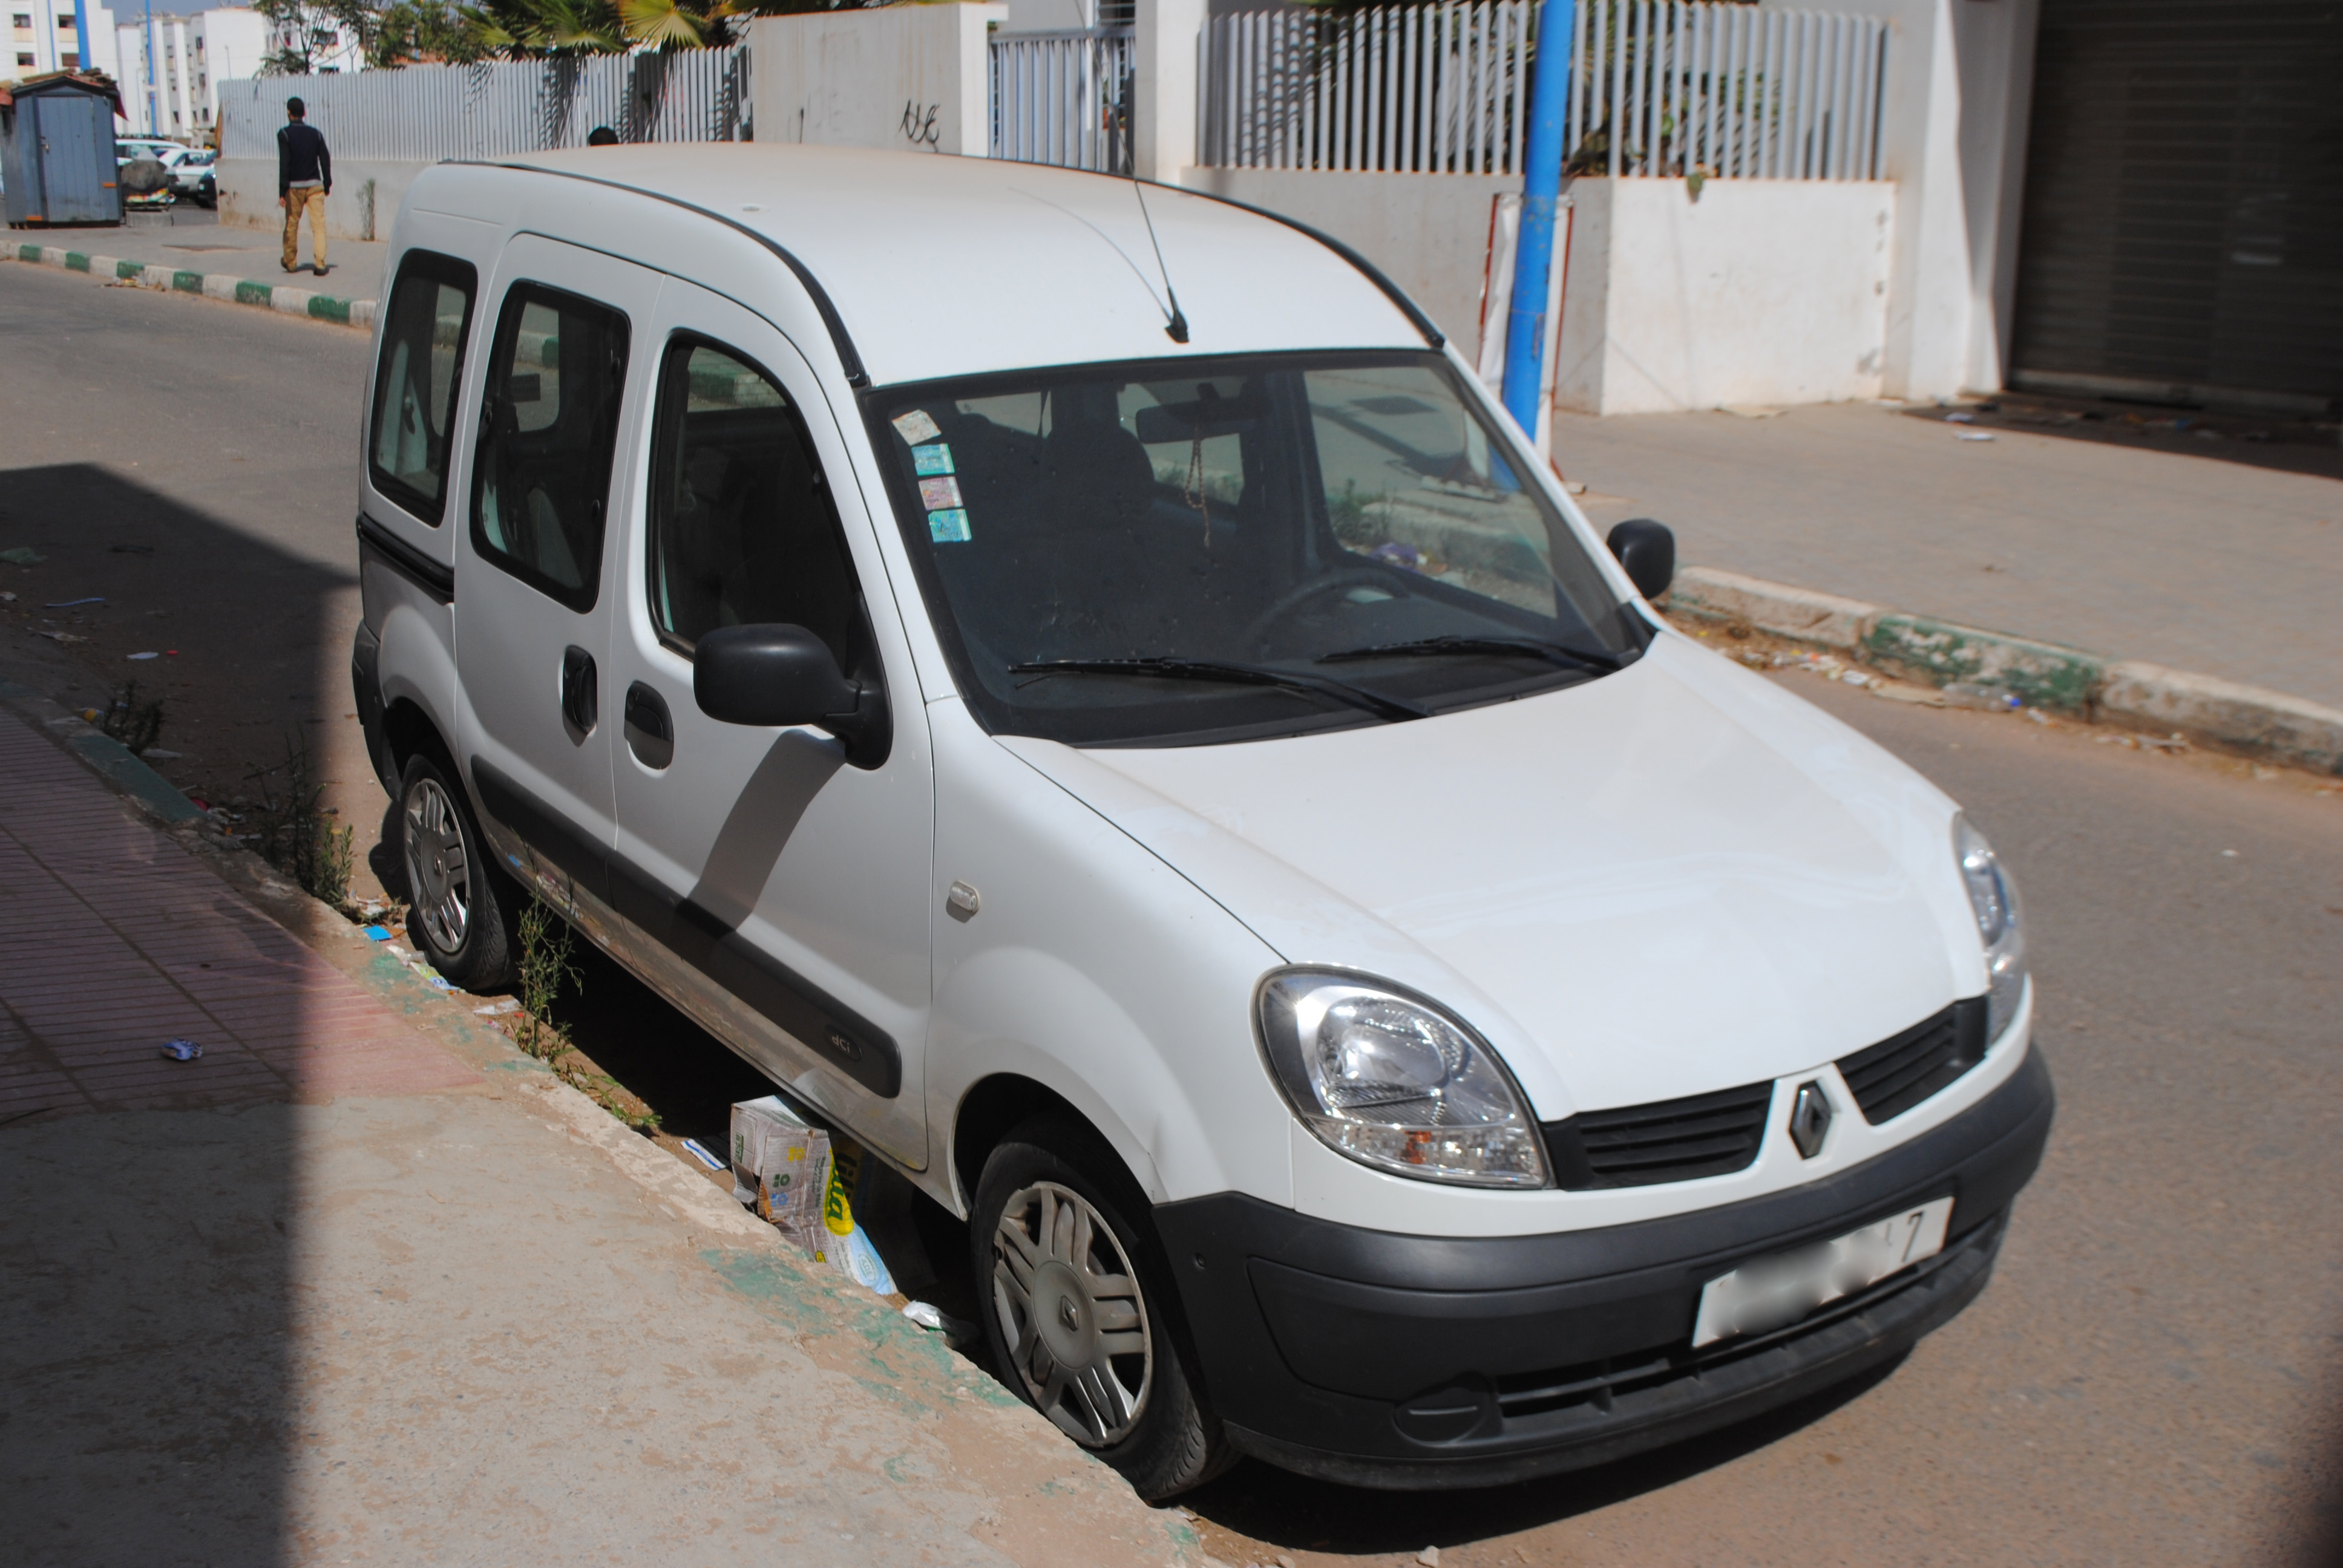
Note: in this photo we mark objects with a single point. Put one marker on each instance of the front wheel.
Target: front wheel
(1078, 1324)
(455, 913)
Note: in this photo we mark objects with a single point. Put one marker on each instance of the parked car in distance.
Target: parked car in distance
(193, 176)
(1082, 686)
(159, 149)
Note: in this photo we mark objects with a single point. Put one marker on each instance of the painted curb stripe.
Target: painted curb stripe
(213, 285)
(2039, 674)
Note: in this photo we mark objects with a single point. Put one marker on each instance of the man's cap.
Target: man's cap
(295, 107)
(601, 137)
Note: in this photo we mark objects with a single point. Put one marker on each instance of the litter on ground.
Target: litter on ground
(182, 1050)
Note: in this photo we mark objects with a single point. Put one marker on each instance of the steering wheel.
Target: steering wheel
(1293, 599)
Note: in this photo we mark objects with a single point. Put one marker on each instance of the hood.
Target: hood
(1676, 879)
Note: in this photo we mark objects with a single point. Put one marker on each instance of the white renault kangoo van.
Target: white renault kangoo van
(1080, 684)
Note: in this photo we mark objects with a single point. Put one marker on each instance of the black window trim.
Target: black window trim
(451, 271)
(662, 437)
(583, 599)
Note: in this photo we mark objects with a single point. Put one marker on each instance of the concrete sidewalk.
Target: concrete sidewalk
(365, 1285)
(199, 242)
(2196, 563)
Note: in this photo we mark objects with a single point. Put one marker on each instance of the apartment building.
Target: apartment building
(172, 66)
(42, 37)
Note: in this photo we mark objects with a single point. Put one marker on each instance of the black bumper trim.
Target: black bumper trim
(1674, 1408)
(1368, 1348)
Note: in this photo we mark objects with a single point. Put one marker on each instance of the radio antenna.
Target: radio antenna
(1176, 329)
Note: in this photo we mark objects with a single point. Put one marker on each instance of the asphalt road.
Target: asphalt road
(2154, 1375)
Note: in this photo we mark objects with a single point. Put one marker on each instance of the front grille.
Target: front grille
(1892, 1077)
(1666, 1140)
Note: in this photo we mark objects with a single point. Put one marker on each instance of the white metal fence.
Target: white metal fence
(1404, 89)
(1734, 91)
(1657, 88)
(1063, 98)
(494, 110)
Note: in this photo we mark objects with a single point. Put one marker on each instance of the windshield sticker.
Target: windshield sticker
(939, 494)
(916, 427)
(948, 528)
(934, 459)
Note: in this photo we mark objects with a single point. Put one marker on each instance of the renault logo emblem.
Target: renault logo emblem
(1810, 1119)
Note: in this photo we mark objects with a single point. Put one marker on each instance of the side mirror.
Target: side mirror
(772, 676)
(1648, 550)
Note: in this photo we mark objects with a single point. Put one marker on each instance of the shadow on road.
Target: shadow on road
(2288, 444)
(236, 626)
(148, 1251)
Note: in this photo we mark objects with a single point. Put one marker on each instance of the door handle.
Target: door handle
(581, 707)
(650, 730)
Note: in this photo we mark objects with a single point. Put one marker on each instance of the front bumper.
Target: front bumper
(1421, 1361)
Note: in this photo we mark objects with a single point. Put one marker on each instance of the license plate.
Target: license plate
(1764, 1295)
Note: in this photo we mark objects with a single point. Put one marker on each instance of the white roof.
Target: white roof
(947, 266)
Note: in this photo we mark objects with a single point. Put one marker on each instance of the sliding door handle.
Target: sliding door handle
(650, 730)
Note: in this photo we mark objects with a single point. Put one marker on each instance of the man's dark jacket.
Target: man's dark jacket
(301, 154)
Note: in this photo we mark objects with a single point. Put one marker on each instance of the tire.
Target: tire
(1078, 1312)
(460, 908)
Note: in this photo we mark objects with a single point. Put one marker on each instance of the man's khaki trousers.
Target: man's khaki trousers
(311, 199)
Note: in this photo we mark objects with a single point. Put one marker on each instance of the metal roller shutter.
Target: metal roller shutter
(2183, 230)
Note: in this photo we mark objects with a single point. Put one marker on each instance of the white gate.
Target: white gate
(1063, 98)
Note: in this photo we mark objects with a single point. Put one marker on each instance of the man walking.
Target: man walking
(304, 177)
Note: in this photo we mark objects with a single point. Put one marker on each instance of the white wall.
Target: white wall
(1428, 233)
(1165, 88)
(247, 193)
(847, 79)
(1959, 95)
(1761, 292)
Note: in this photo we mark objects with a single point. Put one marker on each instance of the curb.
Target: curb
(282, 298)
(108, 757)
(2035, 674)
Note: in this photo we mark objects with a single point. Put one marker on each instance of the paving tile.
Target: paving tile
(113, 940)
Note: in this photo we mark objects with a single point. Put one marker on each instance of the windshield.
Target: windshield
(1193, 551)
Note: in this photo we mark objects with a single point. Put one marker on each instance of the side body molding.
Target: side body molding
(852, 1043)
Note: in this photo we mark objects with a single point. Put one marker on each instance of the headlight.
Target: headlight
(2000, 926)
(1395, 1084)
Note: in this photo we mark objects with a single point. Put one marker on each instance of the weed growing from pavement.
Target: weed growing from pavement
(548, 963)
(297, 834)
(137, 725)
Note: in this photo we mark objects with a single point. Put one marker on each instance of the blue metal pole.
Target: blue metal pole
(1525, 324)
(81, 35)
(154, 74)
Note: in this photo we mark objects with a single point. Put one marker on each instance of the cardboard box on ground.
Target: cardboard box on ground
(810, 1185)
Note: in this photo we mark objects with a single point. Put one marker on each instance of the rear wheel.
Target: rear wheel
(1077, 1316)
(458, 905)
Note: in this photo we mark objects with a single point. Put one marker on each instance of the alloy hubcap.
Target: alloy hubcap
(438, 877)
(1070, 1310)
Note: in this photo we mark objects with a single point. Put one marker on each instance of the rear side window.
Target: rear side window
(414, 386)
(549, 421)
(742, 528)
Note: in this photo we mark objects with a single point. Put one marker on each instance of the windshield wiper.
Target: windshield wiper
(1234, 674)
(1523, 647)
